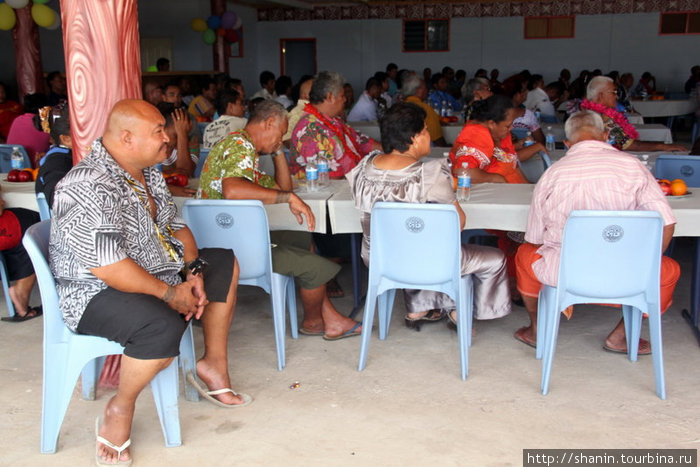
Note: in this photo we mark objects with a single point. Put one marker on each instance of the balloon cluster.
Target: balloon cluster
(43, 15)
(226, 26)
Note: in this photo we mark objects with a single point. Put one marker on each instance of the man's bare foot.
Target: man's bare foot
(527, 335)
(216, 379)
(340, 327)
(617, 347)
(116, 428)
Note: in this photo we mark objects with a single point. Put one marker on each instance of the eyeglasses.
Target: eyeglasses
(612, 92)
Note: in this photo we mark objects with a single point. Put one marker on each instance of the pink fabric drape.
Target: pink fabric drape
(25, 39)
(103, 63)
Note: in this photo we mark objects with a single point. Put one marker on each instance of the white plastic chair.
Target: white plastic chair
(607, 257)
(44, 210)
(241, 225)
(67, 353)
(415, 246)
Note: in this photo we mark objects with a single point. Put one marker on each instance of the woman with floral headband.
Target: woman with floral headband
(601, 97)
(58, 160)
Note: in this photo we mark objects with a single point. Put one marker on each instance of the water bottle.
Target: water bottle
(529, 140)
(549, 140)
(311, 176)
(323, 176)
(17, 159)
(464, 183)
(443, 109)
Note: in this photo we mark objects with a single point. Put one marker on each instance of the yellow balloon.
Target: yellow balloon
(43, 15)
(7, 17)
(199, 25)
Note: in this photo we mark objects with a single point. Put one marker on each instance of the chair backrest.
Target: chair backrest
(6, 157)
(519, 133)
(534, 167)
(202, 126)
(203, 154)
(611, 255)
(36, 242)
(240, 225)
(44, 210)
(415, 246)
(672, 166)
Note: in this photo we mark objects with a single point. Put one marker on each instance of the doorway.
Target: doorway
(297, 57)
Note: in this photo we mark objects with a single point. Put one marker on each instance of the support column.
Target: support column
(25, 39)
(220, 58)
(103, 63)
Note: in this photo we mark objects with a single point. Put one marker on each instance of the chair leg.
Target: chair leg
(188, 363)
(384, 308)
(90, 376)
(278, 298)
(464, 318)
(292, 307)
(632, 318)
(550, 341)
(657, 351)
(165, 388)
(59, 380)
(368, 318)
(6, 287)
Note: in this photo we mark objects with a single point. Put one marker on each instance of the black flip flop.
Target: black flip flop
(31, 313)
(432, 316)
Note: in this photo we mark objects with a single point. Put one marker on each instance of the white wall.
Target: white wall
(358, 48)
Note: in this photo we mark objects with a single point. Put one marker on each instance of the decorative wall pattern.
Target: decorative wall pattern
(476, 9)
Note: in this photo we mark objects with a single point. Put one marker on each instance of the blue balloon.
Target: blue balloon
(213, 22)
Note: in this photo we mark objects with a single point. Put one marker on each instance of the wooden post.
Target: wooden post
(103, 63)
(220, 58)
(25, 39)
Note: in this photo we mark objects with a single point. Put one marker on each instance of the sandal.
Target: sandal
(32, 312)
(432, 316)
(98, 459)
(333, 289)
(451, 322)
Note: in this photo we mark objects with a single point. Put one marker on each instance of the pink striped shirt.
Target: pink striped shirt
(592, 175)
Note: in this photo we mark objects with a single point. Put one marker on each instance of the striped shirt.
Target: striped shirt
(593, 175)
(99, 219)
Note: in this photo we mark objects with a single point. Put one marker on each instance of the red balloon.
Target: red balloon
(221, 32)
(231, 36)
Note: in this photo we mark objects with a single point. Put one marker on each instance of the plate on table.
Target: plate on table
(687, 195)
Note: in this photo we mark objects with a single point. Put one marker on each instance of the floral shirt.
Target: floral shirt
(311, 136)
(233, 156)
(616, 135)
(100, 217)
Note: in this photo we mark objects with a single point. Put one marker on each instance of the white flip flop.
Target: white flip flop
(208, 394)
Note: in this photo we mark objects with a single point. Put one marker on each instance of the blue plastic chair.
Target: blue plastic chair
(415, 246)
(241, 225)
(6, 157)
(67, 353)
(44, 210)
(607, 257)
(6, 286)
(672, 166)
(203, 154)
(534, 167)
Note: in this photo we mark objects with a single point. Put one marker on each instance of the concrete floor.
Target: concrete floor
(409, 407)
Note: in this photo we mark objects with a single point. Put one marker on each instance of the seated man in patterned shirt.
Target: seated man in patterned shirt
(126, 269)
(232, 172)
(592, 175)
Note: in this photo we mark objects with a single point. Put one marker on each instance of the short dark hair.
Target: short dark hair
(166, 109)
(533, 80)
(51, 76)
(494, 108)
(391, 66)
(33, 102)
(283, 84)
(161, 62)
(266, 76)
(381, 76)
(224, 98)
(401, 122)
(372, 82)
(435, 78)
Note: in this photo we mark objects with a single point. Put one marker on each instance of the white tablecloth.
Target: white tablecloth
(504, 207)
(665, 108)
(22, 195)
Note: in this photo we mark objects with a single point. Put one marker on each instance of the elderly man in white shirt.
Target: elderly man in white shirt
(365, 110)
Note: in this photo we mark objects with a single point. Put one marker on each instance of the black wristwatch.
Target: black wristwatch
(197, 266)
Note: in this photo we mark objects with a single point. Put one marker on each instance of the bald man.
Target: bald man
(128, 269)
